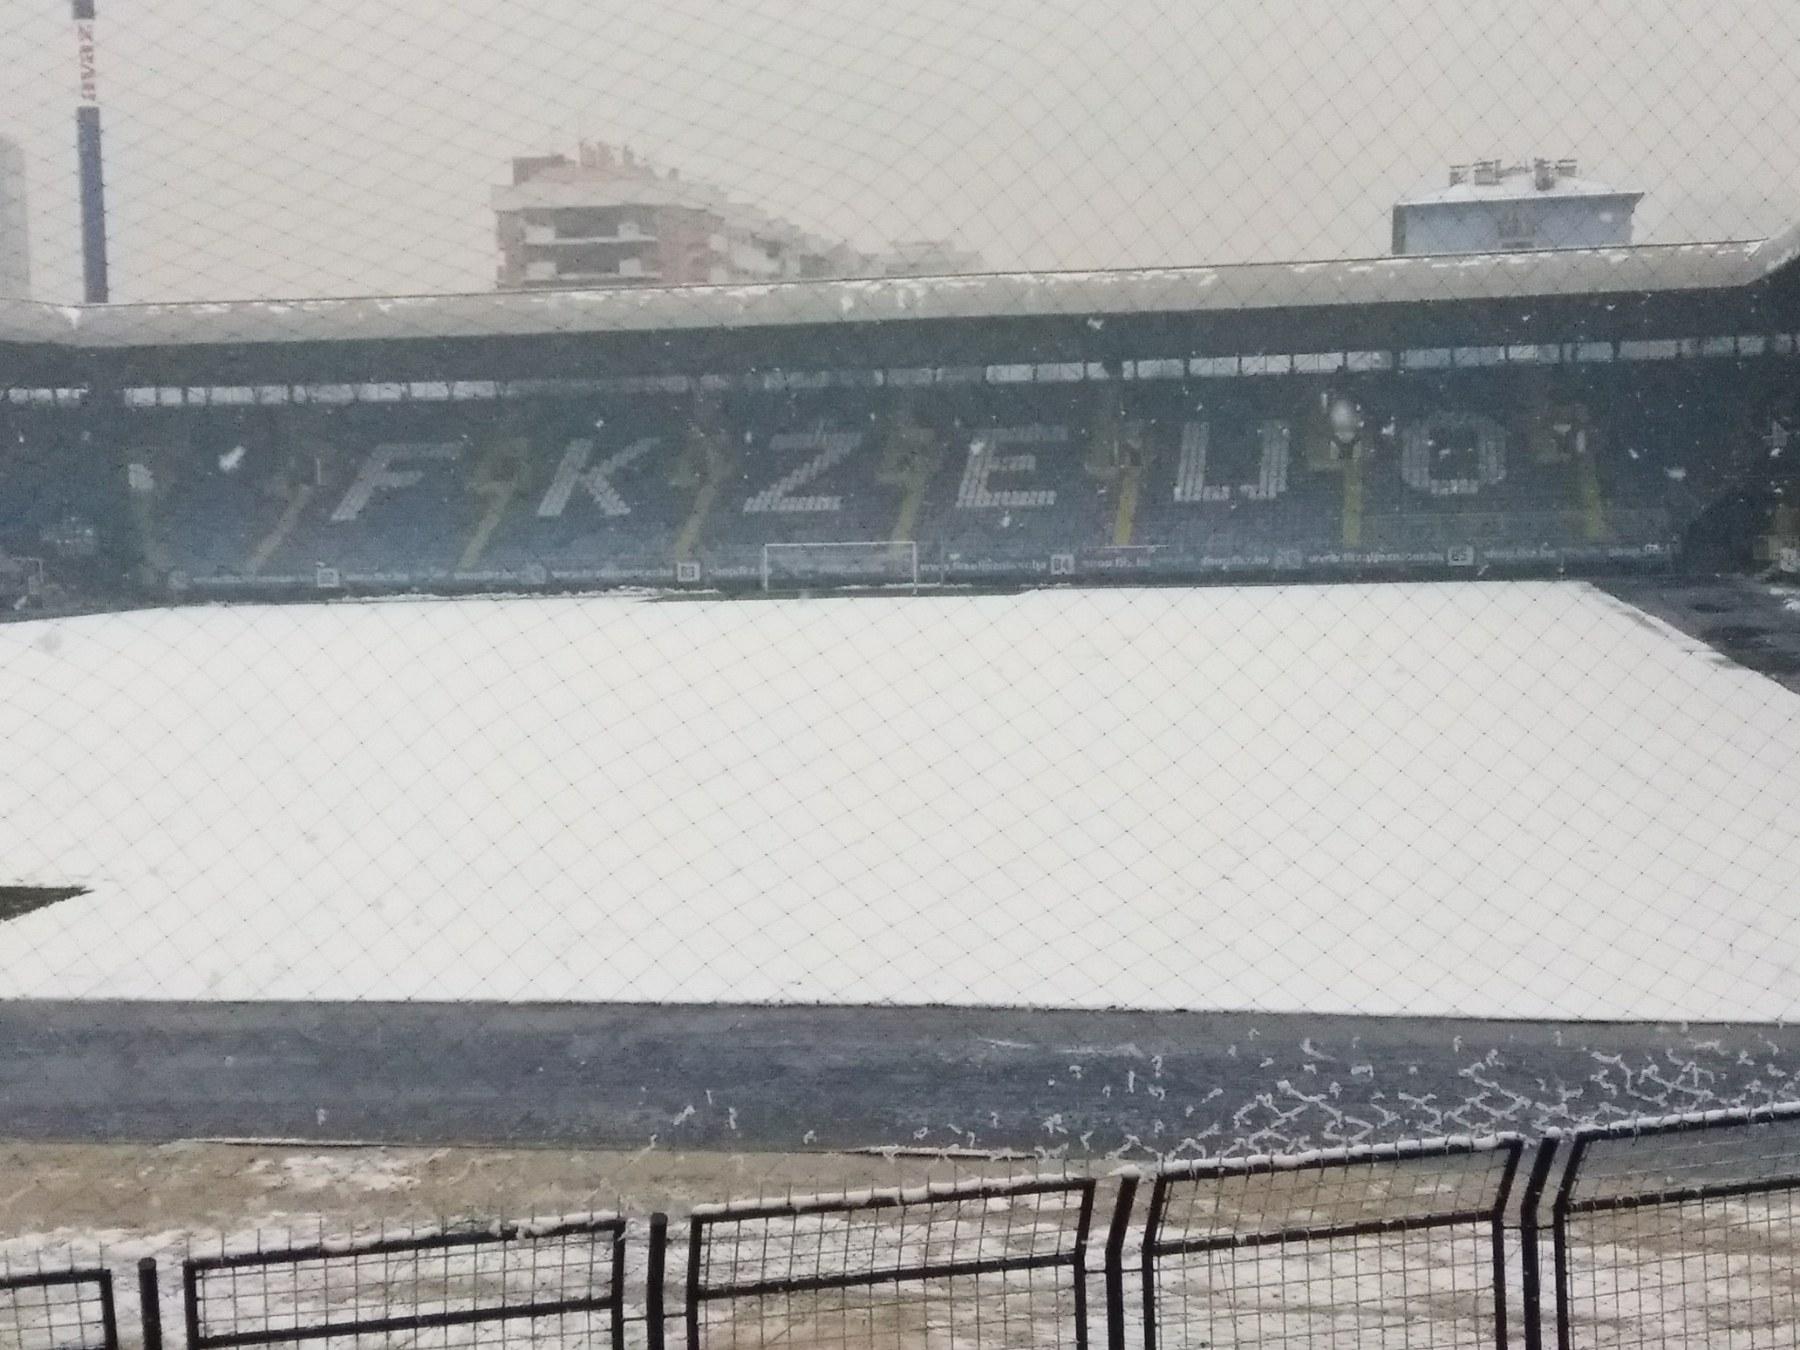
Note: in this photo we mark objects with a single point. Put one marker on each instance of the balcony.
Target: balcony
(591, 277)
(545, 239)
(536, 235)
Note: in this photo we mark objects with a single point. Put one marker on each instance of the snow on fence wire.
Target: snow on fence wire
(1385, 1245)
(557, 1285)
(1676, 1230)
(1001, 1263)
(57, 1310)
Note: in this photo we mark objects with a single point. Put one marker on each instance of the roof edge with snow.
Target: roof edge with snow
(1407, 279)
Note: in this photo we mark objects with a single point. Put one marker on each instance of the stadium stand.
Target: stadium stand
(1157, 425)
(1008, 482)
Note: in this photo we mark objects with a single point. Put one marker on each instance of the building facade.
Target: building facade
(1491, 207)
(611, 219)
(925, 258)
(15, 230)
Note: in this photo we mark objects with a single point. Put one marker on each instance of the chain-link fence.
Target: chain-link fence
(610, 607)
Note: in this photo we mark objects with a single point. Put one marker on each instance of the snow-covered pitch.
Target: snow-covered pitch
(1509, 799)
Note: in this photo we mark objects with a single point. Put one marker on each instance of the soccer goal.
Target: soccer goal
(847, 563)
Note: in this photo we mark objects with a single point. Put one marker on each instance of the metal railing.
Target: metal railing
(1405, 1241)
(565, 1278)
(1674, 1230)
(986, 1259)
(57, 1310)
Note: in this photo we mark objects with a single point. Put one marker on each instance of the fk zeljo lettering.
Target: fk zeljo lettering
(1442, 454)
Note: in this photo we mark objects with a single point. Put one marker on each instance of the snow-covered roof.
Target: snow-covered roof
(28, 321)
(1515, 187)
(594, 190)
(789, 304)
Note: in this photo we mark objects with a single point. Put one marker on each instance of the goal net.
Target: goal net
(847, 563)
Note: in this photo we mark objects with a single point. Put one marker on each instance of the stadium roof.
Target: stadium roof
(1572, 273)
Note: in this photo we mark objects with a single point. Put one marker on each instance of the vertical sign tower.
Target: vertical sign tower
(87, 146)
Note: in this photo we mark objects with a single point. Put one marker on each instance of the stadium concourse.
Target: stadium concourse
(1483, 791)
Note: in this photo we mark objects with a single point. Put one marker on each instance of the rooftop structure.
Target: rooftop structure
(1493, 207)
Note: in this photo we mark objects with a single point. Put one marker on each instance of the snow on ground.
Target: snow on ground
(1510, 799)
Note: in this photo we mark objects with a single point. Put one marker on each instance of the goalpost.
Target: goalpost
(852, 562)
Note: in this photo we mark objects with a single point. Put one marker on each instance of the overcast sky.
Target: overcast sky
(310, 147)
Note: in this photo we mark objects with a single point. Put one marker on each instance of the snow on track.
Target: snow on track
(1508, 799)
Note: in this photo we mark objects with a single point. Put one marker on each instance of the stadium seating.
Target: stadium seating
(1084, 478)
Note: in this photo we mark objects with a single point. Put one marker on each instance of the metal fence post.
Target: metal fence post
(617, 1318)
(1514, 1151)
(1159, 1190)
(690, 1309)
(1115, 1261)
(149, 1304)
(653, 1280)
(1559, 1242)
(109, 1322)
(190, 1301)
(1530, 1276)
(1080, 1267)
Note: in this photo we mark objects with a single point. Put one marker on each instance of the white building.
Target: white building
(609, 218)
(1489, 207)
(15, 230)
